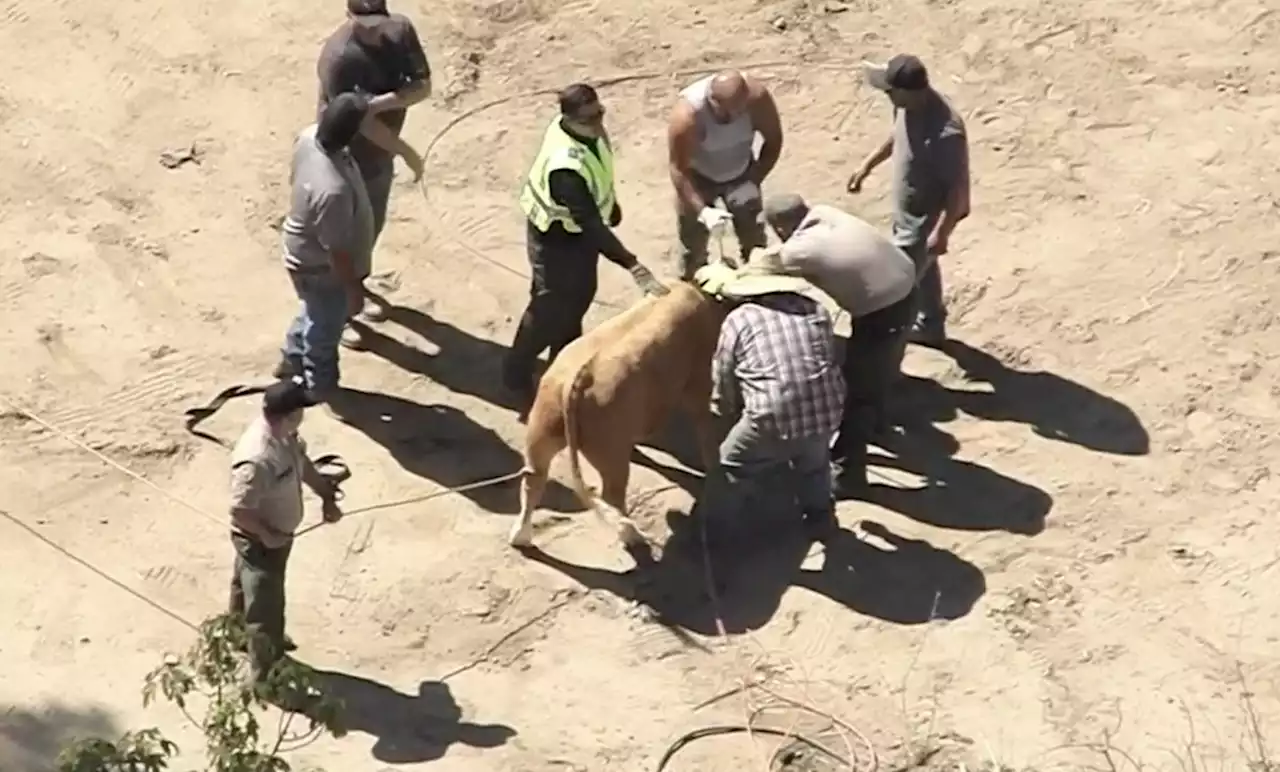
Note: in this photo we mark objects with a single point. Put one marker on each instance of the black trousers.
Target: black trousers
(563, 269)
(872, 364)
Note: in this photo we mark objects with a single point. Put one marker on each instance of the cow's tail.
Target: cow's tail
(582, 381)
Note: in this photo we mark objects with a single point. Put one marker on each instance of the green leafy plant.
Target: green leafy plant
(214, 673)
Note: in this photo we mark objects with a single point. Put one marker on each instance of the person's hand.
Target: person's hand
(856, 179)
(414, 162)
(355, 299)
(646, 281)
(938, 243)
(382, 102)
(330, 512)
(714, 219)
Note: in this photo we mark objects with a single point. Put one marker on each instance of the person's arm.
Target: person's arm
(682, 142)
(415, 73)
(569, 189)
(248, 481)
(877, 157)
(954, 153)
(334, 218)
(723, 384)
(766, 120)
(381, 135)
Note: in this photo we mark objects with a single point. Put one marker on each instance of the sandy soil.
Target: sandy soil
(1082, 485)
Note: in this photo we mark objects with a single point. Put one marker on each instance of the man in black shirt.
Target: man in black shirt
(571, 206)
(378, 54)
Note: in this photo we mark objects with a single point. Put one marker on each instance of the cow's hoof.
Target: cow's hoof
(521, 538)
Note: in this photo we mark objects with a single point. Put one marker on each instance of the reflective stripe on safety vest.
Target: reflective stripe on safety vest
(559, 150)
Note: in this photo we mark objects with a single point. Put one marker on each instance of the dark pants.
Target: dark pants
(762, 480)
(257, 594)
(563, 268)
(872, 364)
(378, 185)
(742, 200)
(931, 307)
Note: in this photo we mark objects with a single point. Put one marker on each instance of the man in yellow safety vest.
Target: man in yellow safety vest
(571, 207)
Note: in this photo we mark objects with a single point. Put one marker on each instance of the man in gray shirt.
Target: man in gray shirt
(867, 276)
(930, 178)
(328, 237)
(378, 54)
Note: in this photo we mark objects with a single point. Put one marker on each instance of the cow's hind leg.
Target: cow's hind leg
(613, 491)
(545, 440)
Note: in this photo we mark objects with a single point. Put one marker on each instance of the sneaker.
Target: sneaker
(352, 339)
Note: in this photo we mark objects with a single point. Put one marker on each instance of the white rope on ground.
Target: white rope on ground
(224, 522)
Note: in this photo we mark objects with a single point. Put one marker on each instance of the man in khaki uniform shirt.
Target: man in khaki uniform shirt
(269, 463)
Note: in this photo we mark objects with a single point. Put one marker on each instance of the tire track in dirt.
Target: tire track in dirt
(171, 383)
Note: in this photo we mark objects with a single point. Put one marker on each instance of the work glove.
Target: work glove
(714, 219)
(646, 281)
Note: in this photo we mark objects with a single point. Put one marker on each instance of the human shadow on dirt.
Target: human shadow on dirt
(1056, 407)
(440, 443)
(32, 737)
(466, 364)
(911, 583)
(408, 728)
(957, 494)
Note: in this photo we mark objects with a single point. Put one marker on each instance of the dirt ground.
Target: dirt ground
(1076, 510)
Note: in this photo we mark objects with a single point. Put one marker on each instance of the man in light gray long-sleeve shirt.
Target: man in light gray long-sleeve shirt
(328, 238)
(847, 258)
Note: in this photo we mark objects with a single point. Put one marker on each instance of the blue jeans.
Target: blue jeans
(767, 478)
(313, 337)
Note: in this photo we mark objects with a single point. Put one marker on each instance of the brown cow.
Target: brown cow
(614, 387)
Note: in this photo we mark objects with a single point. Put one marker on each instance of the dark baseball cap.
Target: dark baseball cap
(369, 13)
(284, 397)
(903, 71)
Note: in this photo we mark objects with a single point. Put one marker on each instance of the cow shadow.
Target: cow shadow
(678, 592)
(689, 590)
(910, 583)
(408, 728)
(473, 366)
(957, 494)
(466, 364)
(440, 443)
(1055, 407)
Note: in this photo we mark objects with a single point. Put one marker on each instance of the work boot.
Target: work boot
(353, 339)
(929, 332)
(287, 645)
(287, 368)
(821, 526)
(848, 482)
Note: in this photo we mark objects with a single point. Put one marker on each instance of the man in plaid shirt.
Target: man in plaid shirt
(776, 378)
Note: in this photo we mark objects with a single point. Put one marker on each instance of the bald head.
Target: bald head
(729, 95)
(784, 213)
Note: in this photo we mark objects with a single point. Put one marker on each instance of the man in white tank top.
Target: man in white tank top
(710, 138)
